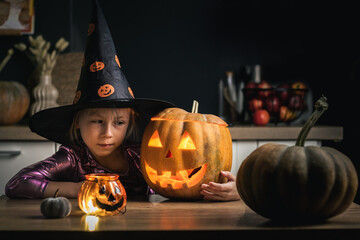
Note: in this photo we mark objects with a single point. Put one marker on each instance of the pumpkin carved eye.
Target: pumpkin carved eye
(186, 142)
(155, 140)
(102, 190)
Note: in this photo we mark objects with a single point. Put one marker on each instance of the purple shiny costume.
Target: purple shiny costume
(71, 165)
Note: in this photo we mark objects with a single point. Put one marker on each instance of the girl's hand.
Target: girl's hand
(66, 189)
(221, 191)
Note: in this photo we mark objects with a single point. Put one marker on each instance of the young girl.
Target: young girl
(221, 191)
(99, 136)
(97, 132)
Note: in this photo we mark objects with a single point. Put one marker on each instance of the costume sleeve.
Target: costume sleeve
(31, 181)
(135, 182)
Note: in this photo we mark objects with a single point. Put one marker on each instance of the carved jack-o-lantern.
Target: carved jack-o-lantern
(102, 194)
(182, 150)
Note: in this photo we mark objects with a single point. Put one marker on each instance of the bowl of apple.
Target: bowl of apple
(266, 103)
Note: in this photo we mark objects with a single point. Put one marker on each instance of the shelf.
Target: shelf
(335, 133)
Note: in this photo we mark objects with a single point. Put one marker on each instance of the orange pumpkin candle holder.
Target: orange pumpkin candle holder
(102, 194)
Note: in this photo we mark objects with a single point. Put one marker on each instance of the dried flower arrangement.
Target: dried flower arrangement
(39, 54)
(6, 58)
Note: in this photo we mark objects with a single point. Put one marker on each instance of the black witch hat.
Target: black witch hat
(102, 84)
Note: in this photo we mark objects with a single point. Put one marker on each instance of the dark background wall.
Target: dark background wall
(177, 50)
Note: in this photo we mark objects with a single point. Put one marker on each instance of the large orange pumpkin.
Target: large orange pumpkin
(14, 102)
(182, 150)
(298, 183)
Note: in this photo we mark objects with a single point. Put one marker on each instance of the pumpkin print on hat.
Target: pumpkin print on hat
(131, 92)
(182, 150)
(106, 90)
(97, 66)
(77, 97)
(117, 61)
(91, 28)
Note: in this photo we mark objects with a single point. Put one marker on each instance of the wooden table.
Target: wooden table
(163, 219)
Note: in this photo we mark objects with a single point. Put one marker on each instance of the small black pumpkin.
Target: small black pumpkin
(55, 207)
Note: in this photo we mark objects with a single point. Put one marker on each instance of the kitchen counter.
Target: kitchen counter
(285, 133)
(237, 132)
(160, 218)
(18, 132)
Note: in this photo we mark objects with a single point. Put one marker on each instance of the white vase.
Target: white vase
(45, 95)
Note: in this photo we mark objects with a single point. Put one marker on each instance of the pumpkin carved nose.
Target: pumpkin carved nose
(111, 198)
(168, 154)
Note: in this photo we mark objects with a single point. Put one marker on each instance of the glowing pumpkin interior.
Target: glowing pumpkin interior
(182, 178)
(186, 142)
(102, 194)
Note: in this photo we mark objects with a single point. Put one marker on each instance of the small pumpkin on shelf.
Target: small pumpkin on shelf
(14, 102)
(298, 183)
(55, 207)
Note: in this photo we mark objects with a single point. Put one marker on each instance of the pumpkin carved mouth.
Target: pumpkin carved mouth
(183, 178)
(107, 207)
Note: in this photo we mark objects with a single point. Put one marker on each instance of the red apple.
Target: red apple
(249, 89)
(296, 102)
(261, 117)
(255, 104)
(283, 92)
(272, 104)
(264, 89)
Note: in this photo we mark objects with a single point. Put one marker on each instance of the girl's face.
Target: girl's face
(103, 129)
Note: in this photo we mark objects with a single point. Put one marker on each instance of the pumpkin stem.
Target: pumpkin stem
(56, 193)
(320, 107)
(195, 107)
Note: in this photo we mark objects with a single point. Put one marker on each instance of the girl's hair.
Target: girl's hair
(132, 132)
